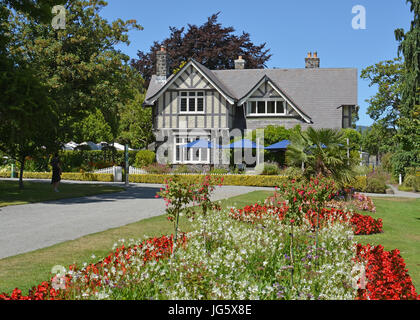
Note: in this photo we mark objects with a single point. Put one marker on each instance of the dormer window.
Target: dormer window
(266, 107)
(192, 102)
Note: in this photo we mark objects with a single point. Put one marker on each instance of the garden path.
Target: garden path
(28, 227)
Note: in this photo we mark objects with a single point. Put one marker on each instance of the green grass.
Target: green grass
(401, 225)
(28, 269)
(10, 194)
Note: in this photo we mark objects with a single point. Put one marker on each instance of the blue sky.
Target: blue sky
(290, 28)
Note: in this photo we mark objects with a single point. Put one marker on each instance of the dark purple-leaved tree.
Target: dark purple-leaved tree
(211, 44)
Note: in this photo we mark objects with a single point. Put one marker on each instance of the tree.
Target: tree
(320, 152)
(93, 128)
(26, 113)
(136, 123)
(28, 121)
(408, 135)
(214, 46)
(80, 65)
(384, 106)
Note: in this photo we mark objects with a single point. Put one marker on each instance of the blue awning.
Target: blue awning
(201, 144)
(243, 144)
(279, 145)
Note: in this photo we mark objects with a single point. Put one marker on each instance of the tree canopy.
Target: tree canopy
(211, 44)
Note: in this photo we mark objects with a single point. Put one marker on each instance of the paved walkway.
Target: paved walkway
(397, 194)
(28, 227)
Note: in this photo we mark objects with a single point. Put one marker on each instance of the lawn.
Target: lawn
(10, 194)
(28, 269)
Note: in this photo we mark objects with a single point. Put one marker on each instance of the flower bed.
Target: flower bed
(386, 275)
(359, 202)
(86, 282)
(275, 255)
(361, 224)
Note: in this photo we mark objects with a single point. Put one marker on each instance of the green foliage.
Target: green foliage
(322, 152)
(411, 180)
(408, 134)
(79, 65)
(157, 168)
(228, 180)
(219, 171)
(74, 161)
(144, 158)
(93, 128)
(267, 169)
(181, 169)
(82, 176)
(355, 138)
(386, 162)
(383, 107)
(375, 185)
(136, 123)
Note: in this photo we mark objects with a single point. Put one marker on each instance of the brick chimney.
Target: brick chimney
(162, 68)
(312, 61)
(239, 63)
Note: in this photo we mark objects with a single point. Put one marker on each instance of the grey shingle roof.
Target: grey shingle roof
(315, 91)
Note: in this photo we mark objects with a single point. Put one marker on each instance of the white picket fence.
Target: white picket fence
(105, 170)
(132, 170)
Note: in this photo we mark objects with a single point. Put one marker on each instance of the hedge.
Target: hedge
(359, 183)
(228, 180)
(105, 177)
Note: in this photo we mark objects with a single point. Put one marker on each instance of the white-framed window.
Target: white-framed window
(190, 155)
(191, 101)
(266, 107)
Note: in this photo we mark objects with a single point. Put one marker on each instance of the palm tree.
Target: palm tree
(321, 151)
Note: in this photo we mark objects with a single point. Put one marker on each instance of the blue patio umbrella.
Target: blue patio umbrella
(243, 144)
(201, 144)
(279, 145)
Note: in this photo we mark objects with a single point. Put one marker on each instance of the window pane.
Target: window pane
(183, 104)
(200, 104)
(280, 107)
(261, 106)
(271, 106)
(253, 107)
(178, 153)
(191, 105)
(196, 154)
(200, 94)
(188, 154)
(184, 94)
(204, 154)
(191, 93)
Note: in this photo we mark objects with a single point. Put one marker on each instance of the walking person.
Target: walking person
(56, 169)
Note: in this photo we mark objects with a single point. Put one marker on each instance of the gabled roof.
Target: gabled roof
(156, 88)
(267, 79)
(309, 90)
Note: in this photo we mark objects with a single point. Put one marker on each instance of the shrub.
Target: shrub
(181, 169)
(375, 185)
(144, 158)
(219, 171)
(229, 180)
(411, 183)
(81, 176)
(157, 168)
(267, 169)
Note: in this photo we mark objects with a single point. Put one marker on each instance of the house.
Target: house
(216, 102)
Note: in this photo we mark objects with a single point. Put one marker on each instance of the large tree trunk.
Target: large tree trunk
(22, 165)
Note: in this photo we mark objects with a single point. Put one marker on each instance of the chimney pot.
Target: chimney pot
(312, 61)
